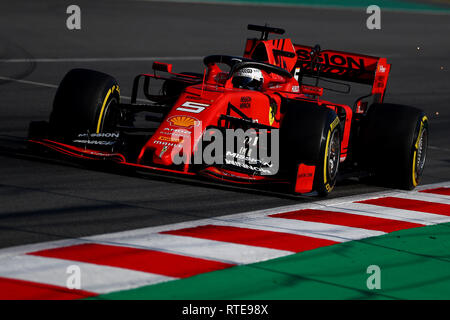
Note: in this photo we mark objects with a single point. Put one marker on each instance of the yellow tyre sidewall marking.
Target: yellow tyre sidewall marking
(102, 110)
(332, 126)
(416, 147)
(325, 158)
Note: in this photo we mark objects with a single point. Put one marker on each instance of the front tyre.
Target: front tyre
(85, 101)
(326, 177)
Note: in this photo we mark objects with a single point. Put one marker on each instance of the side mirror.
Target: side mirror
(282, 53)
(311, 90)
(161, 66)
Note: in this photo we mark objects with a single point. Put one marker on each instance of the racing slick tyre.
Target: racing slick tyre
(311, 134)
(84, 102)
(394, 141)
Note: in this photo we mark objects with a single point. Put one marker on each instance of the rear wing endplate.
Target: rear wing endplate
(343, 66)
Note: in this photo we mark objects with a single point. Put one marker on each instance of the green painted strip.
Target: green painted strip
(383, 4)
(415, 264)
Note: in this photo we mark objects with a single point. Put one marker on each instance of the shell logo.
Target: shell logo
(183, 121)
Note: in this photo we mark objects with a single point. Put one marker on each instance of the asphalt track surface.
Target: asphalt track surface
(45, 200)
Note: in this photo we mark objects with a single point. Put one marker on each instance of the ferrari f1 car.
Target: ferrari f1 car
(268, 107)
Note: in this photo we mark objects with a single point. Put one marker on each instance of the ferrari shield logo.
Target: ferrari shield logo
(272, 111)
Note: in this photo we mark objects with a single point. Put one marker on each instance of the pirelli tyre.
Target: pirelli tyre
(84, 102)
(311, 134)
(325, 178)
(394, 141)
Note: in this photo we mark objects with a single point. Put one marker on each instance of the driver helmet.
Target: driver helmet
(248, 78)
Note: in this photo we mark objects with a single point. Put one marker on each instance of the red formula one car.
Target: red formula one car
(254, 119)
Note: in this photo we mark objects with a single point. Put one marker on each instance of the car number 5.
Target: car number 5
(193, 107)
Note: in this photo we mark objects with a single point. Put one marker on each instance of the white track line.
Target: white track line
(423, 196)
(40, 84)
(303, 228)
(432, 186)
(53, 86)
(390, 213)
(94, 278)
(434, 197)
(24, 249)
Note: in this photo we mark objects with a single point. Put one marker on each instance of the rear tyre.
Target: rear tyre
(85, 101)
(310, 134)
(394, 142)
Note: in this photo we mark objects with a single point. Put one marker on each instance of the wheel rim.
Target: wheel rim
(333, 156)
(421, 154)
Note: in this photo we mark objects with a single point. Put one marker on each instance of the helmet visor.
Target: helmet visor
(246, 83)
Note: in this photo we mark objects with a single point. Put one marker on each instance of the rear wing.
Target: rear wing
(345, 66)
